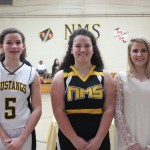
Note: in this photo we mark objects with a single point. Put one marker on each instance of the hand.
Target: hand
(135, 147)
(7, 141)
(16, 144)
(79, 143)
(93, 144)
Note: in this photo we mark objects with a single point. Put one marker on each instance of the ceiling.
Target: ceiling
(75, 8)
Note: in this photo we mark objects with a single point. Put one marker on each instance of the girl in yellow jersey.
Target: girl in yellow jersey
(83, 96)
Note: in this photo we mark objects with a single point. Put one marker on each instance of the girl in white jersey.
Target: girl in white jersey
(18, 117)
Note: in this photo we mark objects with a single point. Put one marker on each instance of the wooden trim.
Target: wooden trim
(45, 88)
(113, 74)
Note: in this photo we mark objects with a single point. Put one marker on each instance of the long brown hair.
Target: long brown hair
(69, 58)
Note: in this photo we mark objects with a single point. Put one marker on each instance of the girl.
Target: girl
(133, 99)
(83, 96)
(55, 67)
(18, 117)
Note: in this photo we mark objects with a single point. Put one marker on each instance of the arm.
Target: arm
(108, 114)
(120, 122)
(5, 139)
(57, 97)
(37, 108)
(34, 117)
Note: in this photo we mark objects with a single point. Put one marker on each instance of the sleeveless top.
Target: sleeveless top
(14, 96)
(84, 99)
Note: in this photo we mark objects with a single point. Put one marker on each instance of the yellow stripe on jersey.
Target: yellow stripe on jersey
(98, 73)
(76, 73)
(84, 111)
(72, 73)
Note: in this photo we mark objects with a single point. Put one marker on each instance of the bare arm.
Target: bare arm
(57, 97)
(3, 136)
(37, 108)
(109, 106)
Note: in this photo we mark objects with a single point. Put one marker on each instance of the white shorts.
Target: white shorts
(15, 133)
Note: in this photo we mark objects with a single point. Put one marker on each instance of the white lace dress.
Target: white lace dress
(132, 112)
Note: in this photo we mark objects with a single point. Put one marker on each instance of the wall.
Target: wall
(113, 50)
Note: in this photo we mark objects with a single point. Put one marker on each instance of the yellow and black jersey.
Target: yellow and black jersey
(84, 95)
(84, 100)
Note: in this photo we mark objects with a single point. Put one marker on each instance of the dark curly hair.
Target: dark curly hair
(2, 37)
(69, 58)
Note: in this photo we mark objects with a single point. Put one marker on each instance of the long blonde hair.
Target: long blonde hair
(131, 67)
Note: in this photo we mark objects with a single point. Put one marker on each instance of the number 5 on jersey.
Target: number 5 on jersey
(10, 112)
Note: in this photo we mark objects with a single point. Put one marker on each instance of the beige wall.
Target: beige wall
(32, 19)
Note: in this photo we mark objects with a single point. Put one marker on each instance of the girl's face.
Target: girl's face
(82, 49)
(139, 54)
(57, 61)
(13, 45)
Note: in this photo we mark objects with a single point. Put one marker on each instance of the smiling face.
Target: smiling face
(13, 45)
(139, 54)
(82, 49)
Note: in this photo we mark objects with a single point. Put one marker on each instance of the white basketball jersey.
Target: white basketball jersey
(14, 95)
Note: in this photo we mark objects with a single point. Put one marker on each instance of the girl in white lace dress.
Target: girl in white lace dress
(132, 113)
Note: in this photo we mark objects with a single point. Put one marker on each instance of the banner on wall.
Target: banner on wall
(46, 35)
(121, 35)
